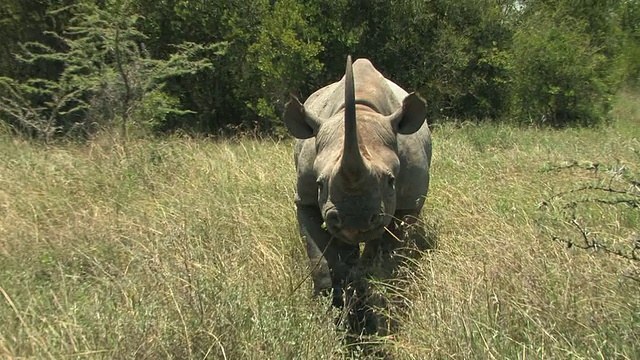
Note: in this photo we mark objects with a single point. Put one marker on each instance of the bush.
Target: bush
(282, 59)
(630, 23)
(553, 62)
(558, 75)
(106, 77)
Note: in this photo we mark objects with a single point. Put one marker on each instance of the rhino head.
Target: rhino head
(356, 160)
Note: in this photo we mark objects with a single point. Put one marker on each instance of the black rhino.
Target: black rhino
(362, 159)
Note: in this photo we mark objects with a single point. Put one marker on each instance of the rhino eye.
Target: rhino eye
(391, 180)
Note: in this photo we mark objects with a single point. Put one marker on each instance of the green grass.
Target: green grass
(189, 249)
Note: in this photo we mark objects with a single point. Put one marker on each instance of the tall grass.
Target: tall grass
(188, 249)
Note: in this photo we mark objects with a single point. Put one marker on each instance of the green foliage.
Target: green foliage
(339, 27)
(469, 64)
(155, 107)
(630, 55)
(471, 60)
(106, 76)
(31, 118)
(558, 73)
(188, 248)
(26, 21)
(283, 54)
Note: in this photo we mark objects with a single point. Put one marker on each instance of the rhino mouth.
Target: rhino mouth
(355, 228)
(356, 236)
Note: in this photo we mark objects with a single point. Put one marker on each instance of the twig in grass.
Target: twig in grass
(586, 165)
(193, 295)
(224, 354)
(609, 189)
(608, 192)
(629, 202)
(595, 245)
(635, 277)
(315, 266)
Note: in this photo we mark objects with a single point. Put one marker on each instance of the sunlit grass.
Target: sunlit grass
(182, 248)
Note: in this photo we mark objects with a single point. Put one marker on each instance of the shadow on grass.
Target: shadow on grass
(376, 295)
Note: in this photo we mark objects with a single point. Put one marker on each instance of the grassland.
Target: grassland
(188, 249)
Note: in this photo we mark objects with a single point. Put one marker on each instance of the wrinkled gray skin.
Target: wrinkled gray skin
(362, 161)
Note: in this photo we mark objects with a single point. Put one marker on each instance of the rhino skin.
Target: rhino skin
(362, 159)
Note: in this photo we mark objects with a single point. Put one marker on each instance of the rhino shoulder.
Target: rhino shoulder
(414, 153)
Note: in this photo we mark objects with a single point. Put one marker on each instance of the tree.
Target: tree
(107, 76)
(558, 77)
(630, 54)
(282, 59)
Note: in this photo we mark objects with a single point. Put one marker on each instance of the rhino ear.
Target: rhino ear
(300, 123)
(410, 117)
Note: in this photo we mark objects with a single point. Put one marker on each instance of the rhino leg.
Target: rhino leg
(379, 261)
(363, 300)
(330, 260)
(378, 253)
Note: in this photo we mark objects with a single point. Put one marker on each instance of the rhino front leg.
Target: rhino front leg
(379, 252)
(330, 260)
(379, 261)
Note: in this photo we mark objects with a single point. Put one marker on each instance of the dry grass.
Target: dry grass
(189, 249)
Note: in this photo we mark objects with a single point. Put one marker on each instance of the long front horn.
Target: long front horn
(352, 160)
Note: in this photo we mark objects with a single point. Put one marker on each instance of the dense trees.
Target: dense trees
(232, 64)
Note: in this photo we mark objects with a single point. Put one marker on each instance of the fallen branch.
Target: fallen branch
(594, 244)
(620, 188)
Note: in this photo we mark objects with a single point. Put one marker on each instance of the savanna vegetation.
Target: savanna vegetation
(127, 231)
(68, 68)
(187, 248)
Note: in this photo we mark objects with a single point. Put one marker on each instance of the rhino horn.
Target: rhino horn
(352, 163)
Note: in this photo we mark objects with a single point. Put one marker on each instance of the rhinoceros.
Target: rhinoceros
(362, 159)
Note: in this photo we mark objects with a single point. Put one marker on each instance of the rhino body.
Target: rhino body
(362, 159)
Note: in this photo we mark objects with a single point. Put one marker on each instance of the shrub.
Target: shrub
(107, 76)
(282, 58)
(558, 77)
